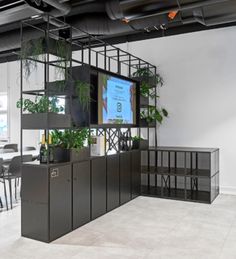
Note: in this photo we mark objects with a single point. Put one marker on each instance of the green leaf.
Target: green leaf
(165, 112)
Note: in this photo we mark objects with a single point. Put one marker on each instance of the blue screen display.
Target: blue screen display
(118, 100)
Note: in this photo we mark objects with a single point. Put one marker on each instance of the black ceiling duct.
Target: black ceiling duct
(39, 4)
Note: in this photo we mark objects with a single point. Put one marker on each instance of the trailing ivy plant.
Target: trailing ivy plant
(153, 114)
(30, 55)
(70, 138)
(63, 56)
(42, 104)
(33, 51)
(82, 91)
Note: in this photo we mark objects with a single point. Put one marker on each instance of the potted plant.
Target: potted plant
(70, 144)
(150, 116)
(139, 143)
(35, 50)
(144, 74)
(43, 113)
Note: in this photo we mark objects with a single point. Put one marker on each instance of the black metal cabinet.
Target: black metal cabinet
(46, 201)
(125, 177)
(98, 185)
(81, 193)
(60, 201)
(113, 178)
(135, 173)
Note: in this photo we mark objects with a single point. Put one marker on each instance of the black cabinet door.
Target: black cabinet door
(60, 201)
(113, 187)
(125, 177)
(136, 174)
(98, 187)
(81, 193)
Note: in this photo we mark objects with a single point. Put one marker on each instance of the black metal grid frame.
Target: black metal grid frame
(88, 49)
(190, 173)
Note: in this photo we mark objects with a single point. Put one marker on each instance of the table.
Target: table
(7, 157)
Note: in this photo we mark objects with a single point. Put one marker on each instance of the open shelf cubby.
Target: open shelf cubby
(190, 174)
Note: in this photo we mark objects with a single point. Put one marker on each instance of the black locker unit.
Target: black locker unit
(135, 173)
(113, 173)
(81, 193)
(125, 177)
(98, 185)
(46, 201)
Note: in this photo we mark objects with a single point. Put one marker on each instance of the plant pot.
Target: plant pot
(151, 81)
(143, 144)
(61, 155)
(80, 116)
(60, 87)
(143, 101)
(48, 120)
(140, 144)
(135, 144)
(81, 155)
(143, 123)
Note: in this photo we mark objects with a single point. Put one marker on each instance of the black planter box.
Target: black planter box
(60, 87)
(45, 121)
(149, 80)
(143, 101)
(81, 155)
(144, 123)
(140, 144)
(79, 114)
(61, 155)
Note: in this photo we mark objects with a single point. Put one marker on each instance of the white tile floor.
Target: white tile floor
(147, 228)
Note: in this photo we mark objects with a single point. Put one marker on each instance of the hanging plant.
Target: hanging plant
(30, 55)
(82, 91)
(33, 51)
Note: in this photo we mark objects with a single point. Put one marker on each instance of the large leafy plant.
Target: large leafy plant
(153, 114)
(42, 104)
(70, 138)
(145, 74)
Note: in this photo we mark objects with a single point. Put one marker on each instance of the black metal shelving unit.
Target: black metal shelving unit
(190, 174)
(95, 178)
(102, 186)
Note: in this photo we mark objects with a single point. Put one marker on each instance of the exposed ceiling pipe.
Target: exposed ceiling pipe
(61, 8)
(123, 9)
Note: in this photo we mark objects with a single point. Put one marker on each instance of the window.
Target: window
(3, 117)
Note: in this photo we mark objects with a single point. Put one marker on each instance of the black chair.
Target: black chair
(2, 180)
(13, 172)
(11, 146)
(29, 148)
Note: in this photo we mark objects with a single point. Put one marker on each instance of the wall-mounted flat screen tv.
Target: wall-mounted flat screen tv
(116, 100)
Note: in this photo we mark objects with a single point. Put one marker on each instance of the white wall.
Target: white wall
(10, 81)
(199, 70)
